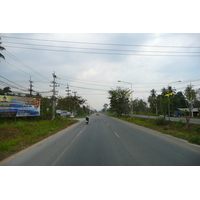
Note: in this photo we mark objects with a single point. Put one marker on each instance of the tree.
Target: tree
(139, 106)
(46, 108)
(119, 102)
(1, 49)
(191, 97)
(179, 100)
(70, 103)
(168, 100)
(152, 99)
(197, 103)
(163, 102)
(5, 91)
(104, 107)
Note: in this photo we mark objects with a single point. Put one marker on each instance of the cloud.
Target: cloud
(145, 70)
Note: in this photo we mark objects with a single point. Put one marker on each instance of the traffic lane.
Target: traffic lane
(101, 143)
(96, 146)
(41, 153)
(150, 147)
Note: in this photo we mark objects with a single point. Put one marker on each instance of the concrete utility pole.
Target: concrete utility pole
(67, 90)
(31, 90)
(74, 101)
(54, 97)
(192, 103)
(74, 93)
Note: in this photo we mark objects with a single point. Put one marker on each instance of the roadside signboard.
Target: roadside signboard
(12, 106)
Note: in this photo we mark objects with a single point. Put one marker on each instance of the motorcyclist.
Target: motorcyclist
(87, 119)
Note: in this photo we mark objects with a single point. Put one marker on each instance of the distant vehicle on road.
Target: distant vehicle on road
(97, 113)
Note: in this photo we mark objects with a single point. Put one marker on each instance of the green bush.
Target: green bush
(160, 121)
(194, 139)
(197, 130)
(180, 124)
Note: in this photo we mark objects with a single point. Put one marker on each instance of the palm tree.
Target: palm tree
(1, 49)
(152, 99)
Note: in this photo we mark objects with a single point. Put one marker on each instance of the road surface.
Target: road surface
(108, 141)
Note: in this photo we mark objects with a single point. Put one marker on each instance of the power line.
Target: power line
(90, 81)
(7, 84)
(15, 67)
(19, 61)
(124, 54)
(97, 49)
(24, 64)
(12, 82)
(87, 88)
(107, 84)
(95, 43)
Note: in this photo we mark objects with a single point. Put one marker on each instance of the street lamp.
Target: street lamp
(168, 98)
(131, 96)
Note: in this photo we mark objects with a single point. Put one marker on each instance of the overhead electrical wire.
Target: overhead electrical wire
(88, 82)
(16, 67)
(95, 43)
(125, 54)
(82, 80)
(12, 86)
(19, 61)
(75, 81)
(136, 52)
(22, 63)
(114, 83)
(83, 87)
(12, 82)
(97, 49)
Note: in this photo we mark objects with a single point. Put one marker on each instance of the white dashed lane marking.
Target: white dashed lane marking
(116, 134)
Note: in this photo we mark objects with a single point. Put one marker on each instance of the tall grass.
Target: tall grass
(19, 135)
(176, 129)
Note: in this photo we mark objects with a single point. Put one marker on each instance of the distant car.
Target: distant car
(97, 113)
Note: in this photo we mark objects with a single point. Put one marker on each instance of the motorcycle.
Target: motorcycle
(86, 121)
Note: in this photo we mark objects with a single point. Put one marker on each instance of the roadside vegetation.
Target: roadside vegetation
(177, 129)
(184, 104)
(20, 134)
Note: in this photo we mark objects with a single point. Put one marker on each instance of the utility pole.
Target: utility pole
(54, 97)
(67, 90)
(31, 90)
(74, 100)
(74, 93)
(68, 100)
(192, 103)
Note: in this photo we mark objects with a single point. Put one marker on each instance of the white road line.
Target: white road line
(116, 134)
(67, 147)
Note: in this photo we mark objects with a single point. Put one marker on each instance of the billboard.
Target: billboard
(11, 106)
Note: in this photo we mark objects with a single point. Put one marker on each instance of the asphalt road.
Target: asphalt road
(107, 141)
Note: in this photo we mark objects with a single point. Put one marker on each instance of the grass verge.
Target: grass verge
(175, 128)
(17, 136)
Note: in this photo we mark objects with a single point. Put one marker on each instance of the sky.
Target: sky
(92, 63)
(91, 48)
